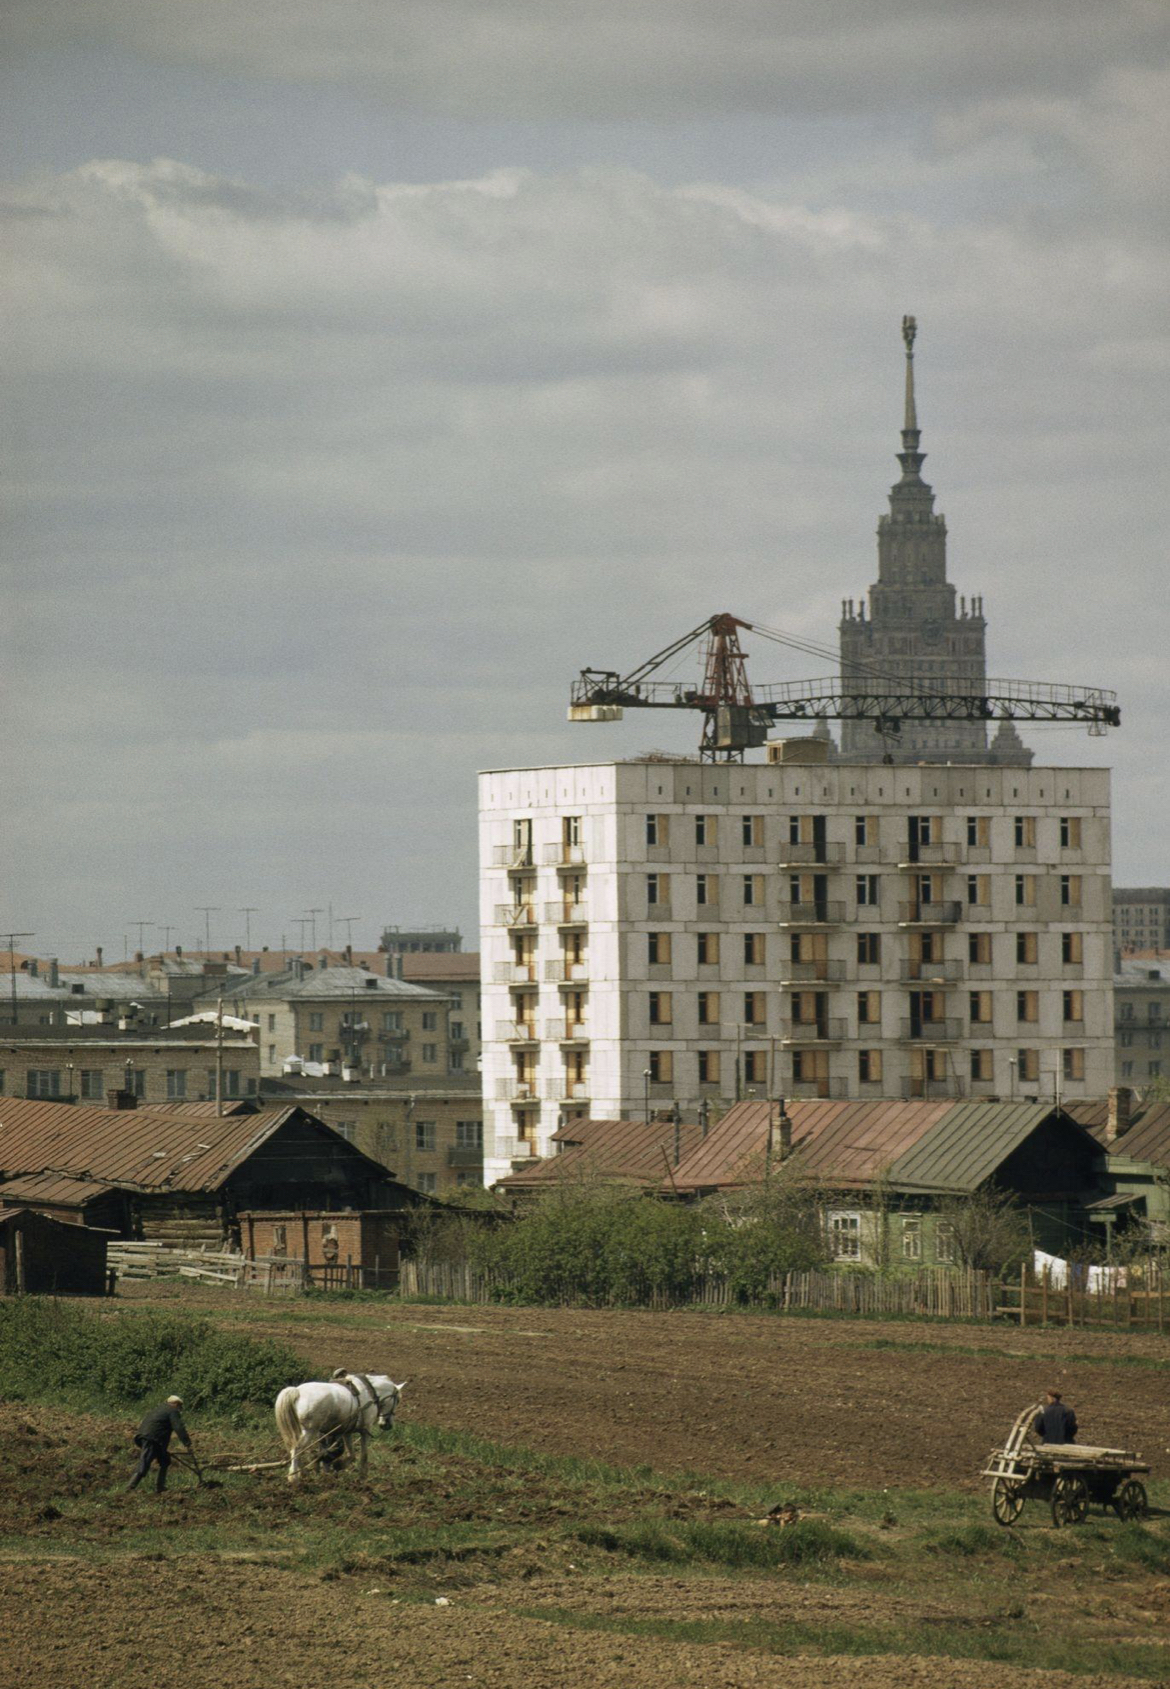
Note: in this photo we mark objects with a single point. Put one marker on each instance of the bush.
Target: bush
(809, 1542)
(52, 1351)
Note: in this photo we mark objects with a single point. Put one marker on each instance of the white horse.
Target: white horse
(317, 1422)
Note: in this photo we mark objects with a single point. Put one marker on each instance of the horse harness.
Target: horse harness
(375, 1401)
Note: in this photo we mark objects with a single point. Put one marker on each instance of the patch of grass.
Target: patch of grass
(1143, 1547)
(983, 1352)
(972, 1540)
(808, 1542)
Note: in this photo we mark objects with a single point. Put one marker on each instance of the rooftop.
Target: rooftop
(339, 982)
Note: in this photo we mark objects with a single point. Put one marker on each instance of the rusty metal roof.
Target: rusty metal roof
(1147, 1137)
(134, 1147)
(52, 1190)
(616, 1150)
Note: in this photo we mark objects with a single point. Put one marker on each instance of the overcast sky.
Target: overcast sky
(375, 365)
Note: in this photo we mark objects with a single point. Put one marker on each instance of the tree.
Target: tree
(990, 1231)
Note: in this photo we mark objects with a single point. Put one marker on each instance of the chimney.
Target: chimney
(298, 967)
(1120, 1108)
(255, 964)
(349, 954)
(54, 973)
(99, 956)
(138, 956)
(118, 1101)
(32, 967)
(238, 955)
(779, 1132)
(178, 952)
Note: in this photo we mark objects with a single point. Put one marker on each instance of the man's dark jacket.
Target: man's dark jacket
(159, 1424)
(1056, 1423)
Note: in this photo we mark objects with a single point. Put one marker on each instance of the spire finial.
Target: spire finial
(909, 330)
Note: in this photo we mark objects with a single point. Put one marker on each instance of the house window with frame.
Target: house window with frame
(272, 1023)
(869, 1067)
(424, 1136)
(316, 1052)
(978, 831)
(979, 949)
(755, 1067)
(705, 886)
(392, 1020)
(346, 1129)
(752, 827)
(136, 1083)
(1026, 890)
(1070, 832)
(1027, 1005)
(707, 948)
(1070, 890)
(658, 829)
(657, 949)
(43, 1082)
(755, 1008)
(867, 891)
(753, 891)
(661, 1008)
(981, 1008)
(657, 890)
(469, 1134)
(661, 1065)
(869, 1008)
(709, 1067)
(1028, 1066)
(1027, 949)
(1072, 947)
(316, 1022)
(982, 1071)
(176, 1083)
(753, 949)
(426, 1183)
(945, 1246)
(708, 1002)
(1025, 831)
(430, 1020)
(869, 948)
(844, 1235)
(979, 890)
(911, 1237)
(861, 830)
(1073, 1005)
(92, 1084)
(1073, 1063)
(430, 1052)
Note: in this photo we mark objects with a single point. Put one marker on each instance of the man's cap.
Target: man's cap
(174, 1401)
(1055, 1394)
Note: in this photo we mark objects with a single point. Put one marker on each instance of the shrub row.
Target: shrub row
(54, 1351)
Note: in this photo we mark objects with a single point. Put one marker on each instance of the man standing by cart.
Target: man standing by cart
(1055, 1422)
(153, 1438)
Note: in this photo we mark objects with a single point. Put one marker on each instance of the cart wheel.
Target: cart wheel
(1007, 1500)
(1070, 1500)
(1130, 1500)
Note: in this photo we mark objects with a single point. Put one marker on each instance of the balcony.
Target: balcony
(568, 1090)
(932, 973)
(516, 1149)
(566, 973)
(515, 973)
(515, 915)
(566, 1031)
(518, 1091)
(827, 1030)
(565, 914)
(924, 1089)
(513, 856)
(809, 855)
(931, 1031)
(465, 1155)
(800, 973)
(919, 914)
(564, 856)
(867, 853)
(819, 914)
(929, 856)
(393, 1035)
(516, 1032)
(804, 1089)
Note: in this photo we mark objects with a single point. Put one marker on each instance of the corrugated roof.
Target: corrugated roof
(966, 1145)
(630, 1150)
(136, 1147)
(53, 1189)
(458, 966)
(326, 982)
(1148, 1136)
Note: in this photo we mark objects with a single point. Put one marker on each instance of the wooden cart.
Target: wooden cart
(1069, 1476)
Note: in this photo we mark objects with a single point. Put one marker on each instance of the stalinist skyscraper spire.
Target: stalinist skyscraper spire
(914, 631)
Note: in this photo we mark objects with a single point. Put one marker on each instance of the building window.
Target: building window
(469, 1134)
(1027, 949)
(979, 949)
(1073, 1063)
(979, 889)
(753, 890)
(1126, 1040)
(43, 1082)
(657, 948)
(755, 1008)
(661, 1065)
(392, 1020)
(1028, 1065)
(1073, 1005)
(424, 1135)
(136, 1082)
(1025, 831)
(708, 1067)
(944, 1242)
(707, 945)
(430, 1052)
(981, 1066)
(430, 1020)
(658, 829)
(346, 1129)
(657, 889)
(869, 1066)
(467, 1179)
(1026, 890)
(869, 1008)
(427, 1183)
(911, 1237)
(176, 1083)
(708, 1008)
(700, 829)
(456, 1032)
(867, 890)
(316, 1052)
(272, 1023)
(981, 1007)
(1070, 832)
(844, 1235)
(661, 1008)
(753, 830)
(861, 829)
(704, 889)
(979, 831)
(869, 948)
(92, 1084)
(755, 1067)
(1127, 1070)
(753, 949)
(1027, 1005)
(231, 1082)
(1070, 890)
(316, 1023)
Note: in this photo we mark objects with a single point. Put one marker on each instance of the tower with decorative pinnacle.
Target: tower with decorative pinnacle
(914, 631)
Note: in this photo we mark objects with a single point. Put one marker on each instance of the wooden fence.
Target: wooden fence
(943, 1293)
(1131, 1298)
(268, 1274)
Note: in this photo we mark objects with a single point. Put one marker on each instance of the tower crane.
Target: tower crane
(737, 716)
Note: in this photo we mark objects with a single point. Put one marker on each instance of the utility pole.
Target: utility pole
(219, 1058)
(12, 938)
(646, 1089)
(247, 912)
(312, 914)
(207, 910)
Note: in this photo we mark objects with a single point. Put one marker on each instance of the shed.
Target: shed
(45, 1257)
(357, 1248)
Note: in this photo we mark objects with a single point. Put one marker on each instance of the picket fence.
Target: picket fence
(942, 1293)
(1131, 1298)
(127, 1260)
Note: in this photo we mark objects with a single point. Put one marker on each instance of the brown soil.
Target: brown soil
(784, 1401)
(199, 1624)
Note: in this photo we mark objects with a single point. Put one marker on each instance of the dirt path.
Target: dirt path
(803, 1402)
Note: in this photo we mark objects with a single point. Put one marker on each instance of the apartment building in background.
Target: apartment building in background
(139, 1064)
(1141, 1006)
(1141, 918)
(660, 933)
